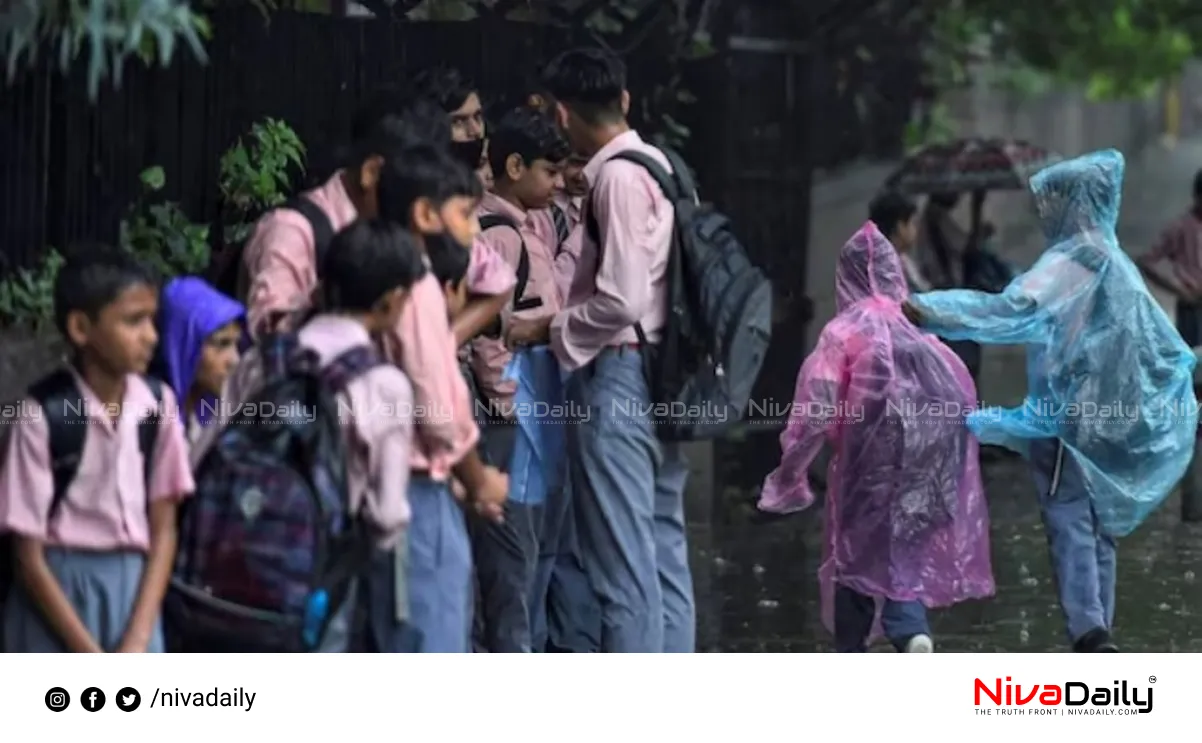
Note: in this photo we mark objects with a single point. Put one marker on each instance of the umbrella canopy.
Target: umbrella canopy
(970, 165)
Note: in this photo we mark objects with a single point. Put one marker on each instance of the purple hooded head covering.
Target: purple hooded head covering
(190, 310)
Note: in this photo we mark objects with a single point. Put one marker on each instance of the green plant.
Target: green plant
(109, 30)
(255, 176)
(161, 235)
(27, 297)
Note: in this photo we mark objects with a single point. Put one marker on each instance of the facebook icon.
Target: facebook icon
(92, 699)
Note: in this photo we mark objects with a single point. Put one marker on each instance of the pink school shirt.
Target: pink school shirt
(566, 255)
(281, 260)
(489, 356)
(281, 257)
(623, 280)
(104, 509)
(488, 273)
(376, 416)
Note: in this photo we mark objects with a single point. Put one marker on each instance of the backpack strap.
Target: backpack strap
(323, 229)
(349, 365)
(148, 430)
(62, 406)
(489, 221)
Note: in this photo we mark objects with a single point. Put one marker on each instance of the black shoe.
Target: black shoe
(1097, 640)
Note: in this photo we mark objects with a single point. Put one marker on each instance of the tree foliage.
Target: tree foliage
(106, 32)
(1116, 48)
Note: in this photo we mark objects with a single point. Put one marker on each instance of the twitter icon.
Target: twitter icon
(128, 699)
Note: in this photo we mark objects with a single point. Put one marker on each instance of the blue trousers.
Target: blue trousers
(1083, 559)
(627, 490)
(855, 612)
(101, 587)
(566, 613)
(440, 569)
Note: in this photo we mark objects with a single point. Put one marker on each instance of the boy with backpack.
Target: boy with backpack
(320, 515)
(92, 474)
(526, 151)
(665, 315)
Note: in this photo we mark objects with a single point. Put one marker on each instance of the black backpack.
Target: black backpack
(520, 301)
(719, 322)
(61, 402)
(228, 270)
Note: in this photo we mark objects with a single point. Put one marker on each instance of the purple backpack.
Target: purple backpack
(268, 550)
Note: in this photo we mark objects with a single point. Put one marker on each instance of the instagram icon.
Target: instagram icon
(57, 699)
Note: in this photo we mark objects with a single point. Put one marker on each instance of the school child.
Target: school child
(367, 275)
(435, 198)
(430, 197)
(906, 521)
(626, 484)
(200, 332)
(92, 474)
(449, 265)
(527, 151)
(458, 97)
(1110, 416)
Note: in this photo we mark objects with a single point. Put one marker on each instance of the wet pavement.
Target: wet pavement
(764, 579)
(759, 590)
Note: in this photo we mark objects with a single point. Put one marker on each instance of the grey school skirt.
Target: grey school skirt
(101, 586)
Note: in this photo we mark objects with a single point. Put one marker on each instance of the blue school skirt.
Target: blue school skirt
(102, 588)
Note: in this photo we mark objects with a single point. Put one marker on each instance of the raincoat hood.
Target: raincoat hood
(868, 267)
(1079, 196)
(905, 509)
(190, 310)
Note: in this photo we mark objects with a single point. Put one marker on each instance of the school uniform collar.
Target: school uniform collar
(494, 204)
(624, 141)
(350, 331)
(569, 204)
(98, 411)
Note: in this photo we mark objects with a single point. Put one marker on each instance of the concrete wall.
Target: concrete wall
(1063, 121)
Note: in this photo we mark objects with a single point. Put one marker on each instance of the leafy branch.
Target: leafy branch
(108, 32)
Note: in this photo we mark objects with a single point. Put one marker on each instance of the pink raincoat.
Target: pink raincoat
(906, 517)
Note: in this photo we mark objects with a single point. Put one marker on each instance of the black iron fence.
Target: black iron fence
(70, 166)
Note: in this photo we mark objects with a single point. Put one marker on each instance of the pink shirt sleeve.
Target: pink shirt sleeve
(26, 482)
(171, 471)
(488, 273)
(280, 262)
(625, 216)
(488, 355)
(564, 266)
(423, 346)
(384, 424)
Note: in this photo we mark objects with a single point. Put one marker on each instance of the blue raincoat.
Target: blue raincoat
(539, 407)
(1107, 373)
(190, 310)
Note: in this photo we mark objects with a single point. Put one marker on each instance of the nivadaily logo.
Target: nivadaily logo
(1069, 697)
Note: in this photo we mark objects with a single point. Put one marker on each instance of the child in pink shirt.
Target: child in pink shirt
(94, 538)
(371, 267)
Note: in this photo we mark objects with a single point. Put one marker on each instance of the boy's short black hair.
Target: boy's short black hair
(92, 277)
(448, 262)
(446, 86)
(530, 135)
(890, 209)
(366, 260)
(588, 81)
(422, 172)
(1198, 185)
(393, 118)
